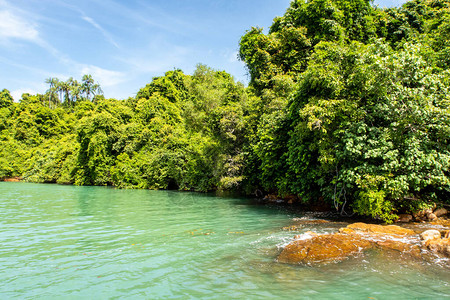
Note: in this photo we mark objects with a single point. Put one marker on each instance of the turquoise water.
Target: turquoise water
(66, 242)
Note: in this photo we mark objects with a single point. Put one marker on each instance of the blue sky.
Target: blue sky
(124, 44)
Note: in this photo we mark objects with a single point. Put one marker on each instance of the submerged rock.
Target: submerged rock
(300, 223)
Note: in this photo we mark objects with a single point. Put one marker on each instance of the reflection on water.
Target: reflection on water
(75, 242)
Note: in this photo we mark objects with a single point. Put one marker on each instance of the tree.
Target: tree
(53, 88)
(89, 87)
(6, 100)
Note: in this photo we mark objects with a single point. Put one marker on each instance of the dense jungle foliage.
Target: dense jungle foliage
(347, 104)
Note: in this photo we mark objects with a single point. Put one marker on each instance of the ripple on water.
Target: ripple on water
(92, 242)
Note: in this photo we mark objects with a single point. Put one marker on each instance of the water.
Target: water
(65, 242)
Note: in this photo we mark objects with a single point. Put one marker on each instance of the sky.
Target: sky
(124, 44)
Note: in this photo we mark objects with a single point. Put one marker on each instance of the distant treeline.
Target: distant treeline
(347, 104)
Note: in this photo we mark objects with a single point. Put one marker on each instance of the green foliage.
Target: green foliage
(347, 103)
(367, 122)
(6, 99)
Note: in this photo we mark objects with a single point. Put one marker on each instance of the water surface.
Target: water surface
(66, 242)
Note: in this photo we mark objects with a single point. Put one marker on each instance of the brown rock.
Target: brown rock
(271, 198)
(430, 234)
(379, 229)
(421, 215)
(407, 248)
(440, 212)
(323, 249)
(439, 246)
(442, 222)
(13, 179)
(431, 217)
(446, 234)
(404, 218)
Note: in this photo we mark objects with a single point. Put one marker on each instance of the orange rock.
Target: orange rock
(323, 249)
(402, 247)
(13, 179)
(379, 229)
(347, 230)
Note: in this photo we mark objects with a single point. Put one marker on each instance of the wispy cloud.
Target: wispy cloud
(105, 33)
(13, 26)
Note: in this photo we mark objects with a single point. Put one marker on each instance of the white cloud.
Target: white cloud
(106, 78)
(13, 26)
(17, 94)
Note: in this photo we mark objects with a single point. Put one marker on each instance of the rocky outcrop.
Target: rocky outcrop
(349, 241)
(430, 214)
(322, 249)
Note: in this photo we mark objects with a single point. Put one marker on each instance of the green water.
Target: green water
(65, 242)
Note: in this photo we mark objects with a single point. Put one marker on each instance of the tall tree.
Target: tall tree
(53, 87)
(89, 87)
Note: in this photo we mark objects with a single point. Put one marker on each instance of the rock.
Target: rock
(404, 248)
(431, 217)
(421, 215)
(440, 212)
(13, 179)
(300, 222)
(441, 222)
(305, 235)
(439, 246)
(377, 229)
(322, 249)
(404, 218)
(430, 234)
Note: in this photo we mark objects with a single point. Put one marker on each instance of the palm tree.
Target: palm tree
(75, 90)
(53, 82)
(65, 88)
(90, 87)
(87, 86)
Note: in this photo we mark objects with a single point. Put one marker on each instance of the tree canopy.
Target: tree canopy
(347, 104)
